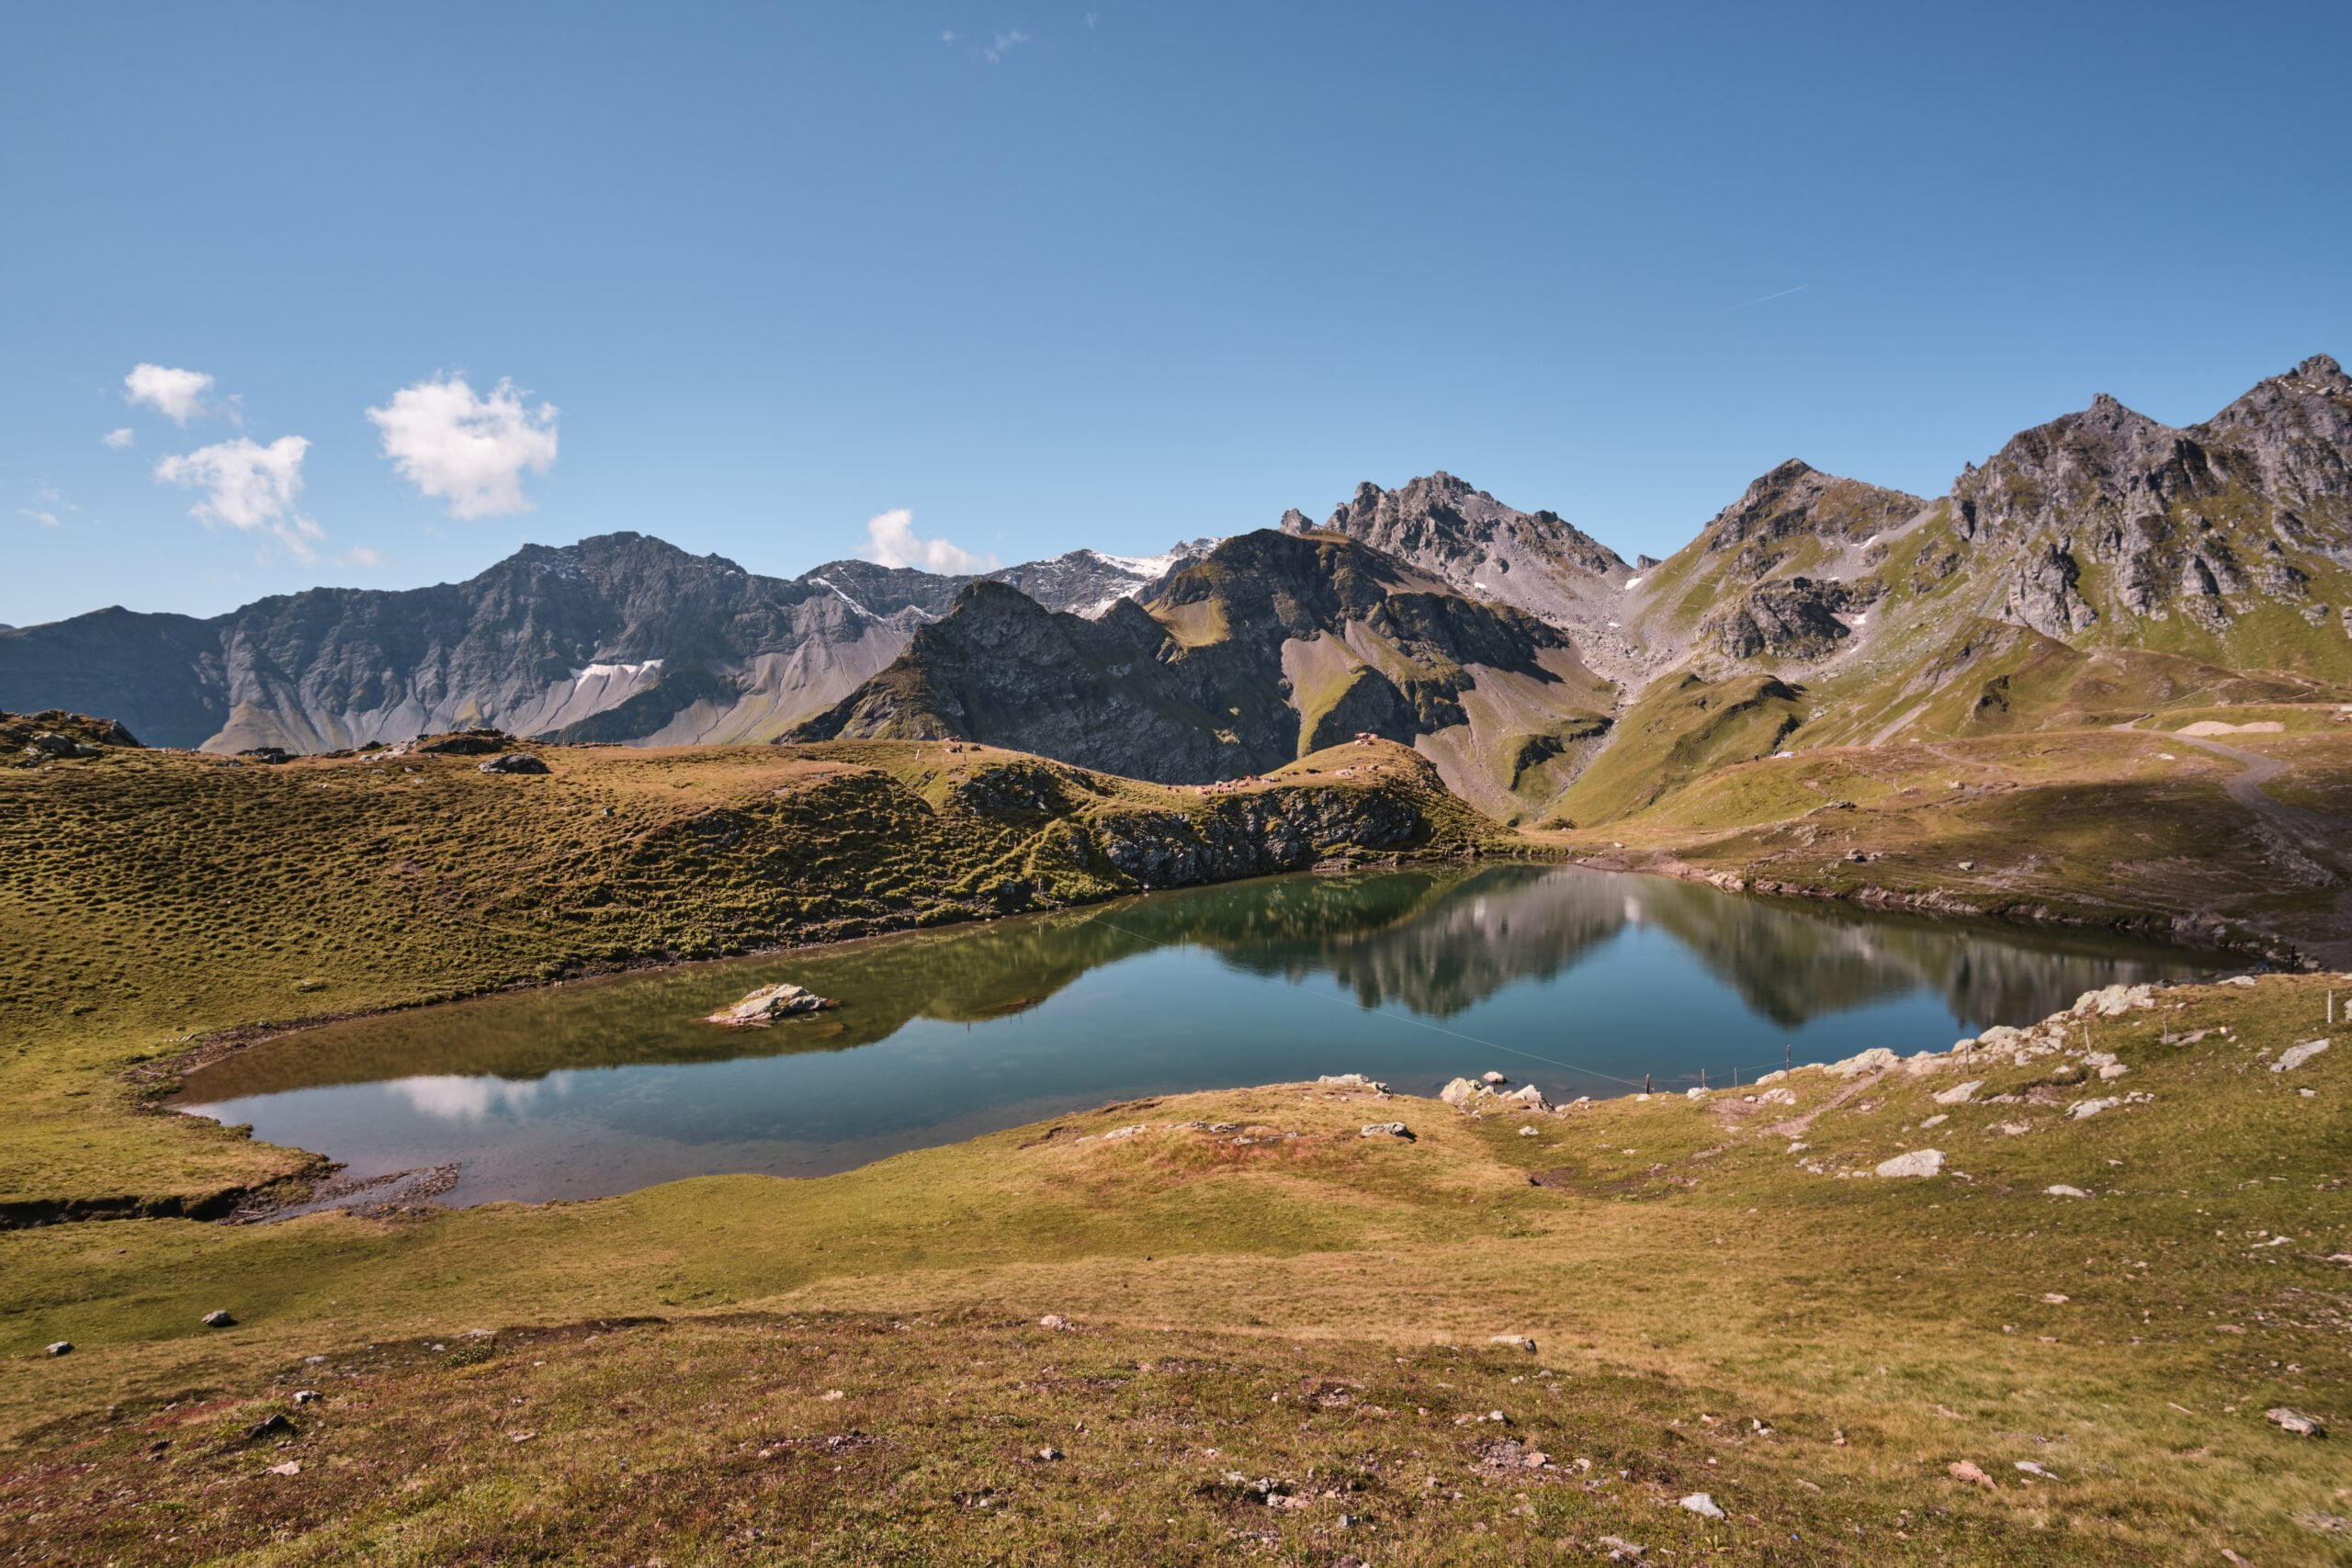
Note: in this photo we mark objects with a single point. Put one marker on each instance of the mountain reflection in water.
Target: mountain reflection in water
(1579, 981)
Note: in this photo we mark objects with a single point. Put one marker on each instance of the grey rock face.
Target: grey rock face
(620, 637)
(1270, 646)
(2207, 523)
(1489, 552)
(1795, 502)
(1790, 618)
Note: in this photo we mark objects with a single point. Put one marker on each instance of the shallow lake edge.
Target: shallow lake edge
(155, 1083)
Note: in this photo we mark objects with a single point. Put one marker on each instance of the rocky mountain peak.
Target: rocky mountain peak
(1448, 527)
(1794, 499)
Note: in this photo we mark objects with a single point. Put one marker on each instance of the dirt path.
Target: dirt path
(2312, 833)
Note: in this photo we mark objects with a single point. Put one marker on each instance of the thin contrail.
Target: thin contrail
(1781, 294)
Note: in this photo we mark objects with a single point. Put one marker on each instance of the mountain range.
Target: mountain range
(2101, 561)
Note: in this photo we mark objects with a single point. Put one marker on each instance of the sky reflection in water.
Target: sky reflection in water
(1580, 982)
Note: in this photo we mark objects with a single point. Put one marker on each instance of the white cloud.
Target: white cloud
(470, 451)
(1005, 44)
(122, 437)
(890, 541)
(46, 519)
(361, 555)
(177, 394)
(248, 486)
(452, 1098)
(947, 38)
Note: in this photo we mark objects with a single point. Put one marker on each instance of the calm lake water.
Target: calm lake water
(1580, 982)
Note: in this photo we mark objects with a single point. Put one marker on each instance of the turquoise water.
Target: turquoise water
(1581, 982)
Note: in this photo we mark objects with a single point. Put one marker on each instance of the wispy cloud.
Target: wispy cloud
(46, 519)
(467, 449)
(1781, 294)
(360, 555)
(891, 541)
(178, 395)
(1004, 44)
(249, 487)
(117, 438)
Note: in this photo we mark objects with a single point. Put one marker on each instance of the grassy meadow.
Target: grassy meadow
(1274, 1338)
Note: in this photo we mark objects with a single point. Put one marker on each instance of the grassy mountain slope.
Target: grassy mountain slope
(2142, 827)
(854, 1369)
(146, 898)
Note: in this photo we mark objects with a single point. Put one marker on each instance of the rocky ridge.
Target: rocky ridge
(620, 637)
(1271, 647)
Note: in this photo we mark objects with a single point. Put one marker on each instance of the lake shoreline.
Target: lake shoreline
(520, 1053)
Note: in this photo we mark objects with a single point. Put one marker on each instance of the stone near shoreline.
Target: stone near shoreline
(768, 1004)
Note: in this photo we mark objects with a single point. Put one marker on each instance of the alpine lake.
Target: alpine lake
(1580, 982)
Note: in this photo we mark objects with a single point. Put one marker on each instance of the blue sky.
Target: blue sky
(1102, 273)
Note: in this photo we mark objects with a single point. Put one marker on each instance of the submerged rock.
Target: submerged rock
(769, 1003)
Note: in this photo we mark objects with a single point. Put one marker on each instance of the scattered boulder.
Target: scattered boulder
(2083, 1110)
(1516, 1341)
(2062, 1191)
(271, 1426)
(1527, 1130)
(1353, 1080)
(768, 1004)
(2032, 1469)
(269, 756)
(1875, 1059)
(1055, 1322)
(2294, 1422)
(61, 1347)
(49, 746)
(1918, 1162)
(1493, 1081)
(305, 1396)
(291, 1467)
(1049, 1453)
(1386, 1130)
(475, 742)
(1958, 1093)
(1461, 1091)
(218, 1320)
(2294, 1056)
(2114, 1001)
(1967, 1471)
(1704, 1505)
(515, 762)
(1620, 1549)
